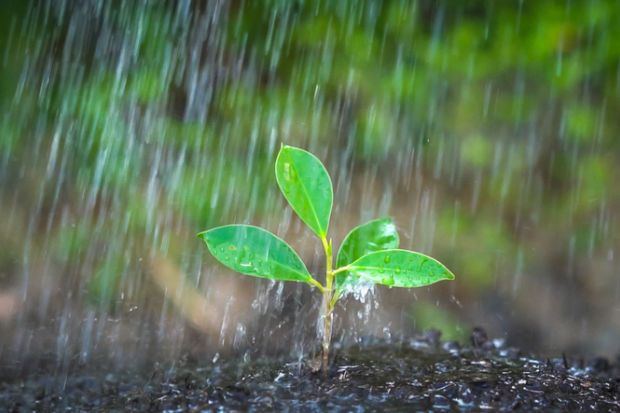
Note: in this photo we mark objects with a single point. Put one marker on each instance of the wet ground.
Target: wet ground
(422, 374)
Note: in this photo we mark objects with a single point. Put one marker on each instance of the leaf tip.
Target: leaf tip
(283, 148)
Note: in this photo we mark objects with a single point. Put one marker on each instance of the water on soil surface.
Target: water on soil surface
(420, 374)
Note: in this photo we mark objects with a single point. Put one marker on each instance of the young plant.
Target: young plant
(369, 253)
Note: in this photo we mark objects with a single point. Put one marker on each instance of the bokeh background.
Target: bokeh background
(487, 129)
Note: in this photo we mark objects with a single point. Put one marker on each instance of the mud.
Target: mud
(424, 373)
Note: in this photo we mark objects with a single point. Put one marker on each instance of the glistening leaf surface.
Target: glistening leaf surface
(254, 251)
(306, 185)
(375, 235)
(400, 268)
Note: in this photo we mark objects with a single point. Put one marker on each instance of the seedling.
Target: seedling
(369, 253)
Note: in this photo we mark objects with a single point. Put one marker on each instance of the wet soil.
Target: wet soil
(421, 374)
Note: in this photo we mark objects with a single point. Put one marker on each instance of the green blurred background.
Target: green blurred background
(487, 129)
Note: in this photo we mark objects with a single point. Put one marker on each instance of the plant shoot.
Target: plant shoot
(369, 253)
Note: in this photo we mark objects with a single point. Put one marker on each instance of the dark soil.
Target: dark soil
(423, 374)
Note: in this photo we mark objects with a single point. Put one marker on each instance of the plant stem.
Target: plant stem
(317, 285)
(328, 305)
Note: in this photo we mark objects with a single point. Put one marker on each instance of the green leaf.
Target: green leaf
(400, 268)
(306, 185)
(376, 235)
(254, 251)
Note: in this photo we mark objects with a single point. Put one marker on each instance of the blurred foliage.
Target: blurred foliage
(428, 316)
(137, 121)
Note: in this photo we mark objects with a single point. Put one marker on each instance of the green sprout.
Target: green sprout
(369, 253)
